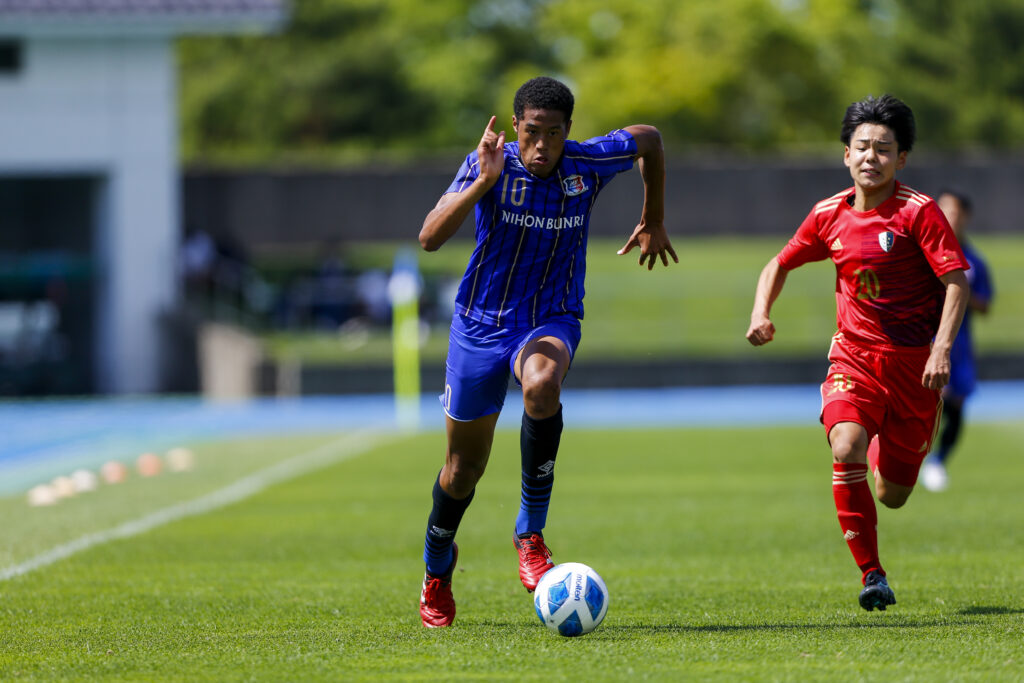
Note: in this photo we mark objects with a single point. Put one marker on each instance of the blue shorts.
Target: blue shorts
(963, 375)
(962, 380)
(480, 358)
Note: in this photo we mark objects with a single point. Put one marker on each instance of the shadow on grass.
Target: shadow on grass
(881, 622)
(735, 628)
(991, 609)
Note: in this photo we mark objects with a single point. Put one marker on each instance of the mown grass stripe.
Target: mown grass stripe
(348, 446)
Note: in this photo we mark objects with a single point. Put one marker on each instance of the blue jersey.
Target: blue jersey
(531, 233)
(962, 353)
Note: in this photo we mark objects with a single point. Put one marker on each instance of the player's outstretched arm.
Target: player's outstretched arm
(451, 210)
(936, 370)
(650, 234)
(769, 286)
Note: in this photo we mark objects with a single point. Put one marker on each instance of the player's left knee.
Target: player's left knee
(542, 392)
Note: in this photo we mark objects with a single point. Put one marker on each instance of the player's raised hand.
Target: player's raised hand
(491, 152)
(761, 331)
(653, 242)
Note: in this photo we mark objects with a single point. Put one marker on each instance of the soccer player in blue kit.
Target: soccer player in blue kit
(519, 306)
(963, 373)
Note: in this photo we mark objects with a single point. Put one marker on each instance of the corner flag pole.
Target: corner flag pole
(404, 292)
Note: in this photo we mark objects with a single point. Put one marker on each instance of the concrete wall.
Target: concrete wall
(107, 107)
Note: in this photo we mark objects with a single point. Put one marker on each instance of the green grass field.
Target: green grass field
(699, 308)
(720, 548)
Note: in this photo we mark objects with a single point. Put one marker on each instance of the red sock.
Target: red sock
(857, 516)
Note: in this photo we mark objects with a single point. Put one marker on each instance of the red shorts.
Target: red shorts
(879, 387)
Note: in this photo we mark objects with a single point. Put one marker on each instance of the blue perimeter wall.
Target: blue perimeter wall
(42, 439)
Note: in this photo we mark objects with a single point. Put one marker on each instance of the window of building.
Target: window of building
(10, 56)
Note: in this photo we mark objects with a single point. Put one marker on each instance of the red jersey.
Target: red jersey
(888, 263)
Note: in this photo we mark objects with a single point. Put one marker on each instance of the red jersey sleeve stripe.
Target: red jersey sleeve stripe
(831, 202)
(912, 195)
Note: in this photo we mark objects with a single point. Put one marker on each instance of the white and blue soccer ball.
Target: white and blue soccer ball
(571, 599)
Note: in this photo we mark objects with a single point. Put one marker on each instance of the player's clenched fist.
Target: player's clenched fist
(760, 332)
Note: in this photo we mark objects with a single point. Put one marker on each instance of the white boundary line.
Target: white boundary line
(348, 446)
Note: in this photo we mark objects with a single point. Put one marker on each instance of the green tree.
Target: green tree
(743, 74)
(350, 79)
(353, 77)
(961, 67)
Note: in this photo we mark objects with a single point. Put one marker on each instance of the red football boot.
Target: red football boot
(437, 604)
(534, 559)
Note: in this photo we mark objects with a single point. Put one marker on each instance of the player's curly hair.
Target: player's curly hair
(885, 110)
(543, 93)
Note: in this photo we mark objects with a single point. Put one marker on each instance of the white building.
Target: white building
(89, 170)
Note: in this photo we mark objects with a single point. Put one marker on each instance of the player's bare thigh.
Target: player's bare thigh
(849, 442)
(469, 448)
(540, 368)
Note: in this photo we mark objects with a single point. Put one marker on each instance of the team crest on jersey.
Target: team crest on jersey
(886, 240)
(574, 185)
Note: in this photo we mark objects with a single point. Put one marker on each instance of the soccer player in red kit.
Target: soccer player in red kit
(900, 296)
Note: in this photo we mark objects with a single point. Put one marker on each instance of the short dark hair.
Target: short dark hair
(886, 111)
(543, 93)
(960, 196)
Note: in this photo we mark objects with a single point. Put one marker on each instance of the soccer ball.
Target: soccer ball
(571, 599)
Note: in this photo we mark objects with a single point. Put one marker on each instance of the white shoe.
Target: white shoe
(933, 476)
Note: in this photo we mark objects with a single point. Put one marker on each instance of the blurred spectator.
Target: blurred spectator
(216, 272)
(332, 296)
(198, 262)
(372, 294)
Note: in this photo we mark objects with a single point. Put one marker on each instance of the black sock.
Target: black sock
(538, 440)
(952, 418)
(443, 522)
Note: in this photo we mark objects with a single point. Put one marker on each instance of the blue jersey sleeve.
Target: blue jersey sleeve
(468, 172)
(606, 154)
(981, 283)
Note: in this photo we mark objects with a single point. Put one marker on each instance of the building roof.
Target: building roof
(132, 17)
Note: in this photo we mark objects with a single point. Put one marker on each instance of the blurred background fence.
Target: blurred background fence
(320, 241)
(268, 209)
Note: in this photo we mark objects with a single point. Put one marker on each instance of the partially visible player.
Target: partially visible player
(900, 283)
(963, 376)
(519, 306)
